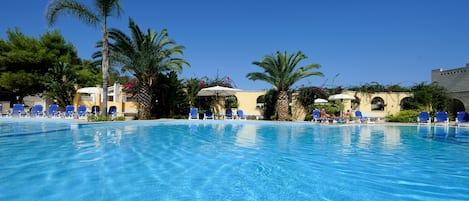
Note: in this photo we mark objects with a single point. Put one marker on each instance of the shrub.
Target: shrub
(406, 116)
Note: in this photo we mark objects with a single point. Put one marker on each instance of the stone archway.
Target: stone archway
(377, 104)
(406, 104)
(455, 106)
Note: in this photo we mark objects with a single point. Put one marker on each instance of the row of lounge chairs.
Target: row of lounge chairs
(359, 118)
(441, 118)
(208, 115)
(18, 110)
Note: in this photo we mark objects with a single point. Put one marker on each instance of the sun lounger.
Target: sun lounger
(95, 110)
(316, 115)
(462, 119)
(69, 111)
(81, 112)
(208, 115)
(18, 110)
(53, 110)
(194, 113)
(441, 118)
(240, 115)
(112, 111)
(228, 113)
(424, 118)
(37, 111)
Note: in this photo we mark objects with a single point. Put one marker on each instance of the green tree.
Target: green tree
(104, 9)
(280, 71)
(145, 55)
(60, 84)
(430, 97)
(21, 83)
(24, 60)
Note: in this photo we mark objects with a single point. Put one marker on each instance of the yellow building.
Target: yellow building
(90, 96)
(378, 105)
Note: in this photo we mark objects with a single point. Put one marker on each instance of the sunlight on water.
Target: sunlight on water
(232, 160)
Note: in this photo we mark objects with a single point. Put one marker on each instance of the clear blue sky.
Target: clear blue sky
(355, 42)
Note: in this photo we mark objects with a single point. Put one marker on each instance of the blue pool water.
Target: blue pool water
(232, 160)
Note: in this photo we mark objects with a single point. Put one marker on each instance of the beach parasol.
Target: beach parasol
(341, 97)
(320, 101)
(217, 91)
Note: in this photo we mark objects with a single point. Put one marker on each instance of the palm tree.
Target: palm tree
(279, 70)
(104, 9)
(146, 56)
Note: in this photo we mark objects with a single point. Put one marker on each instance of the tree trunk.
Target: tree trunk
(144, 101)
(282, 106)
(105, 69)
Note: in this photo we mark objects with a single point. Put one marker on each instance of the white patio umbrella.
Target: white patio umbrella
(217, 91)
(341, 97)
(320, 101)
(90, 90)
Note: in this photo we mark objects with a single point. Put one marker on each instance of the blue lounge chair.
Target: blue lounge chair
(240, 115)
(441, 118)
(81, 111)
(69, 111)
(112, 111)
(316, 115)
(53, 110)
(194, 113)
(424, 118)
(18, 109)
(462, 118)
(208, 115)
(359, 116)
(95, 110)
(37, 111)
(1, 110)
(228, 113)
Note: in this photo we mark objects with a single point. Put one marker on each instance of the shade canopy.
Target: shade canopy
(341, 97)
(217, 91)
(320, 100)
(90, 90)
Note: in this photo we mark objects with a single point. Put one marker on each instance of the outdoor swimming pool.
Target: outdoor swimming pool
(231, 160)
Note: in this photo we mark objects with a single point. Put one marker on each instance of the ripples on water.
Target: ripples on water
(197, 160)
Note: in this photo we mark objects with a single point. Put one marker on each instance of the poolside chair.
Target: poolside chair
(69, 111)
(424, 118)
(18, 109)
(53, 110)
(316, 115)
(112, 111)
(208, 115)
(194, 113)
(441, 118)
(359, 116)
(37, 111)
(95, 110)
(228, 113)
(1, 110)
(462, 119)
(240, 115)
(81, 111)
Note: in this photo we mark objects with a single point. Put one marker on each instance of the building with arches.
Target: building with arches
(377, 105)
(456, 81)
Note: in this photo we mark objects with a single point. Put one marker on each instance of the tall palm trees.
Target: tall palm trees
(104, 9)
(145, 55)
(279, 70)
